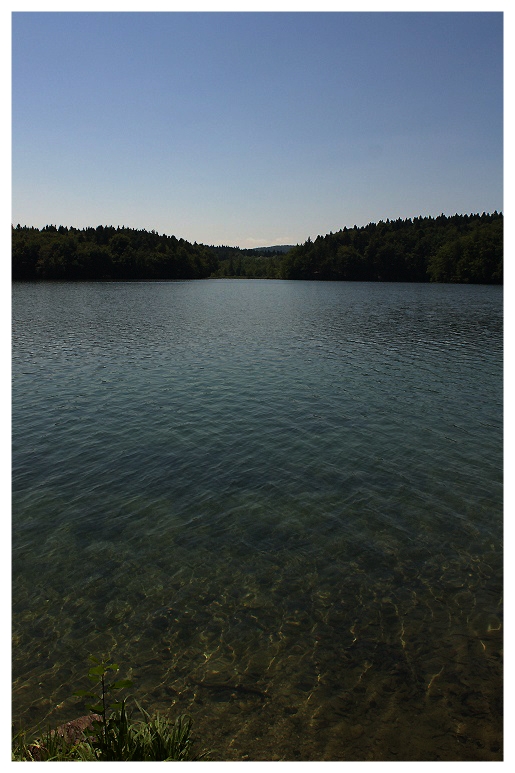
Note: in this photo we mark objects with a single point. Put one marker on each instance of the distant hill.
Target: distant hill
(276, 248)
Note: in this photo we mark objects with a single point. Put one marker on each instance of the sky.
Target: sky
(253, 129)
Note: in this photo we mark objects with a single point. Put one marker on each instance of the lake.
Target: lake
(276, 504)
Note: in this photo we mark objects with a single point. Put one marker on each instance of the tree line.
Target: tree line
(106, 253)
(459, 248)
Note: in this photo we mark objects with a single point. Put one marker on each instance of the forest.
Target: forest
(457, 248)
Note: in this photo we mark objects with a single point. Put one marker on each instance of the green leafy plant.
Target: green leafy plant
(112, 736)
(109, 736)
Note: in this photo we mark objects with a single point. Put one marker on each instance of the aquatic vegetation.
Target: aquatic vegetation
(49, 747)
(109, 734)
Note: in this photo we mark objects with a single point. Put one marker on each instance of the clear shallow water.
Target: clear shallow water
(291, 486)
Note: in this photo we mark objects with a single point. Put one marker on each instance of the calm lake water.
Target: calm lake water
(277, 505)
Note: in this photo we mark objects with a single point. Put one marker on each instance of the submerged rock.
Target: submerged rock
(73, 731)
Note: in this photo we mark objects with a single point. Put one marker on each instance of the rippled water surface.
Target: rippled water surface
(278, 505)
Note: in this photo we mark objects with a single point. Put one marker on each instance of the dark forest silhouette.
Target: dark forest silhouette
(459, 248)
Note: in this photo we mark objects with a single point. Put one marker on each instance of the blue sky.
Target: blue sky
(252, 129)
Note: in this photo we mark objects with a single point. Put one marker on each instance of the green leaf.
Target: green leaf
(121, 684)
(113, 666)
(96, 670)
(84, 693)
(98, 709)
